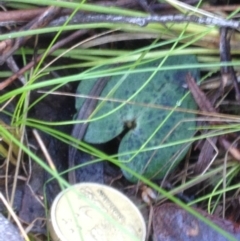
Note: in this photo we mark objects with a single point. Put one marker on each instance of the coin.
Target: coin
(95, 212)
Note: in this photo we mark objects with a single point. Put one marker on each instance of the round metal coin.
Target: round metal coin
(95, 212)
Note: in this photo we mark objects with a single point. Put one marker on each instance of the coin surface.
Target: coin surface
(95, 212)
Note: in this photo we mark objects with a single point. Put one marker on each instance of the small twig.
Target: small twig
(144, 21)
(44, 150)
(11, 17)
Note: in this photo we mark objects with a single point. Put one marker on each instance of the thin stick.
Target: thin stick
(144, 21)
(44, 150)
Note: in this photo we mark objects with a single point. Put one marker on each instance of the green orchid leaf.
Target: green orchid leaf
(150, 125)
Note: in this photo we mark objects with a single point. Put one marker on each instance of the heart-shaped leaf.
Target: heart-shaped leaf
(151, 125)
